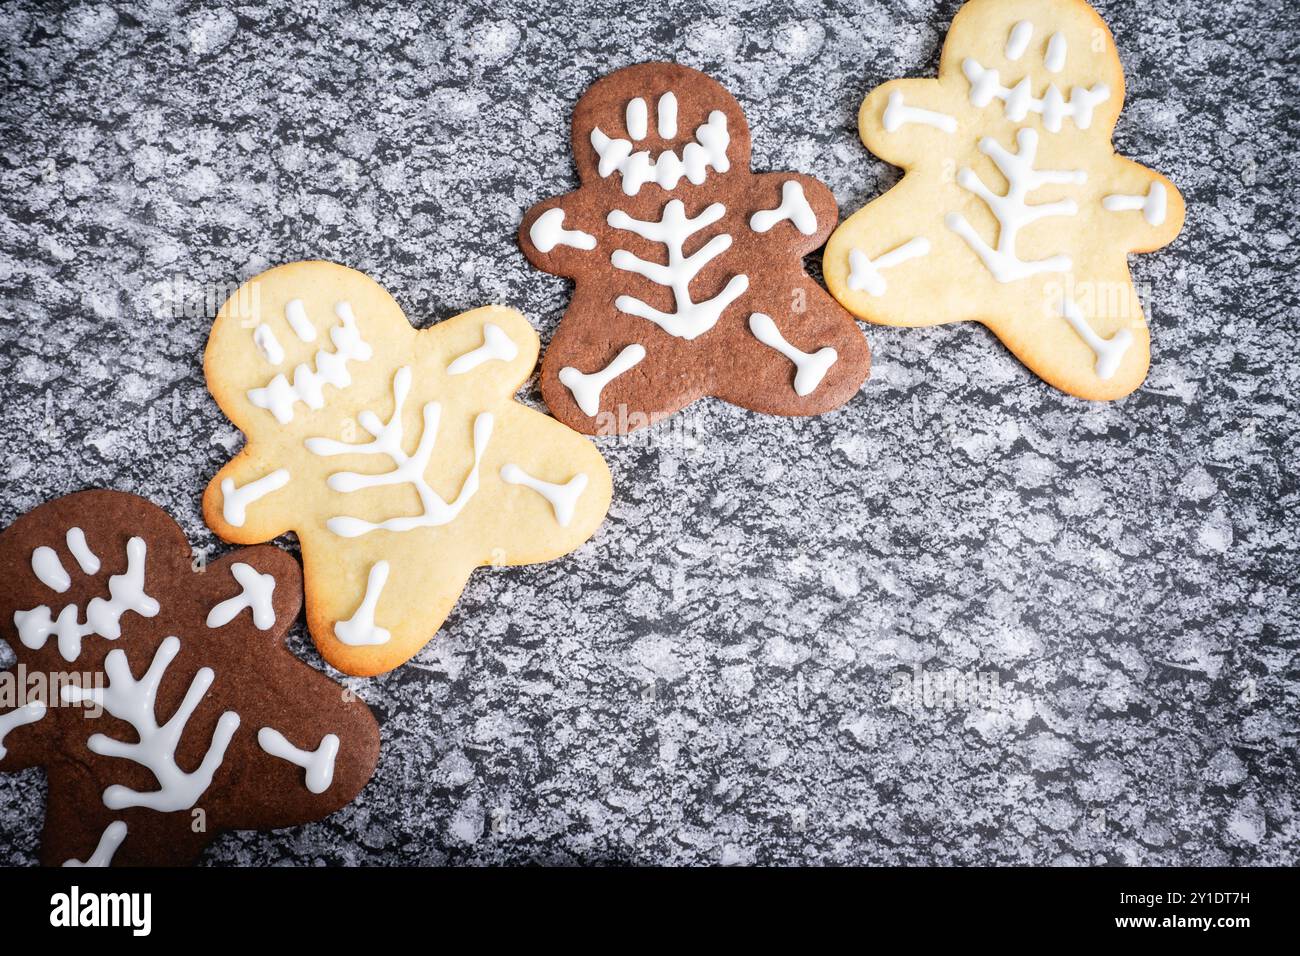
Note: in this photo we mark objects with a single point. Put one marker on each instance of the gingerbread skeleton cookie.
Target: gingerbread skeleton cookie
(157, 692)
(397, 456)
(1015, 210)
(687, 267)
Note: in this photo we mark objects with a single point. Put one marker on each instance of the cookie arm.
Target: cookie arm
(1146, 207)
(23, 733)
(560, 235)
(781, 212)
(905, 122)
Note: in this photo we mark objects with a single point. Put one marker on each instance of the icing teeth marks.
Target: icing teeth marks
(407, 469)
(864, 274)
(360, 630)
(103, 617)
(794, 206)
(49, 569)
(1109, 352)
(985, 86)
(1057, 49)
(810, 369)
(637, 169)
(897, 114)
(19, 717)
(547, 232)
(279, 397)
(85, 558)
(692, 319)
(563, 498)
(587, 386)
(109, 844)
(1011, 210)
(266, 342)
(496, 345)
(637, 119)
(255, 594)
(1153, 206)
(668, 115)
(318, 763)
(133, 702)
(1018, 41)
(296, 314)
(235, 501)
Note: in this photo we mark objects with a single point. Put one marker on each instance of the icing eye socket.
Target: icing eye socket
(636, 117)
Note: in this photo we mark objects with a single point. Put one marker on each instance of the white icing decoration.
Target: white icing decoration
(109, 843)
(235, 501)
(86, 559)
(691, 319)
(279, 397)
(496, 345)
(637, 118)
(1018, 102)
(1110, 352)
(637, 169)
(296, 313)
(49, 569)
(1153, 205)
(587, 386)
(810, 368)
(1011, 210)
(20, 717)
(547, 232)
(255, 594)
(407, 469)
(897, 113)
(794, 206)
(103, 617)
(266, 342)
(864, 273)
(1056, 53)
(134, 701)
(360, 630)
(1019, 39)
(318, 763)
(668, 115)
(563, 498)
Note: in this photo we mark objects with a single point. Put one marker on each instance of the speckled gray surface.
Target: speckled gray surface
(709, 680)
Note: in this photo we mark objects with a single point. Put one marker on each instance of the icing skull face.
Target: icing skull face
(169, 709)
(1015, 210)
(688, 265)
(649, 151)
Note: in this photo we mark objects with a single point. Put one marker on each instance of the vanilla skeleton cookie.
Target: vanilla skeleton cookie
(157, 692)
(397, 456)
(687, 267)
(1015, 210)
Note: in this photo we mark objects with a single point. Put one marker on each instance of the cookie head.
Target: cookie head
(658, 123)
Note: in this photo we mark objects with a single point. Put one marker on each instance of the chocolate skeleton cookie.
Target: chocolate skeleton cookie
(1015, 210)
(687, 267)
(157, 692)
(397, 456)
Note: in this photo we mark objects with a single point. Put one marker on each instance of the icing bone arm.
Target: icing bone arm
(155, 728)
(394, 486)
(1014, 210)
(681, 243)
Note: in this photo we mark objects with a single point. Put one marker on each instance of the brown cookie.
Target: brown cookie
(157, 691)
(688, 267)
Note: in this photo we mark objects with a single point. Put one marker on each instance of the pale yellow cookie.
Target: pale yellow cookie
(1015, 210)
(393, 511)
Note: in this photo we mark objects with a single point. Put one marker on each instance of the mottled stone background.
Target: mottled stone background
(709, 680)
